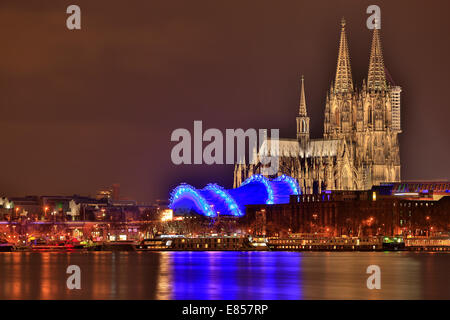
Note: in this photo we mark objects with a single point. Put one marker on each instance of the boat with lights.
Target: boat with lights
(199, 243)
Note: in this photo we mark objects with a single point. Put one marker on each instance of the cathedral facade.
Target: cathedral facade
(360, 145)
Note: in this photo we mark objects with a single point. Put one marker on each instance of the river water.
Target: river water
(224, 275)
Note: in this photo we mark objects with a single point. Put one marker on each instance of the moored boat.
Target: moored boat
(6, 246)
(200, 243)
(156, 244)
(393, 243)
(43, 245)
(312, 243)
(118, 246)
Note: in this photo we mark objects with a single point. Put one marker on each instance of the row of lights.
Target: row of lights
(231, 203)
(266, 182)
(186, 189)
(291, 182)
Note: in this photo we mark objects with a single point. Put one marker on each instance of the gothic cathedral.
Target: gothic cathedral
(360, 145)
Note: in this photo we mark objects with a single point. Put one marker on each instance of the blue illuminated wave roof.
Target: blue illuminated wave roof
(214, 199)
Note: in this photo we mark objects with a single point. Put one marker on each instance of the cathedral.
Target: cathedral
(359, 147)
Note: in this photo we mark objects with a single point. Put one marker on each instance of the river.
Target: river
(224, 275)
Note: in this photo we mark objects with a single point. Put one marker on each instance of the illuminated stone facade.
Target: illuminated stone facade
(360, 145)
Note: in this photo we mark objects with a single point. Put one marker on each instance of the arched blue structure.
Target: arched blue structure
(231, 205)
(214, 199)
(187, 195)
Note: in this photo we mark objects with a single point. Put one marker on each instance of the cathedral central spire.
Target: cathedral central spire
(343, 82)
(376, 79)
(302, 110)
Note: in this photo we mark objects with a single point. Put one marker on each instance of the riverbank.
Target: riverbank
(241, 243)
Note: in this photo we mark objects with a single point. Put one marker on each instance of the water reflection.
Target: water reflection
(224, 275)
(164, 279)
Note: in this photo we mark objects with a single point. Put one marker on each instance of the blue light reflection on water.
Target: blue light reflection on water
(232, 275)
(224, 275)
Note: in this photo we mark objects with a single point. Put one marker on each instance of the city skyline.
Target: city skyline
(85, 110)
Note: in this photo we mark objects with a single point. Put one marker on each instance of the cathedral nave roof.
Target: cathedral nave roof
(292, 148)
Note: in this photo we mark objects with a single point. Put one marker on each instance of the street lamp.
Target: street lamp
(45, 211)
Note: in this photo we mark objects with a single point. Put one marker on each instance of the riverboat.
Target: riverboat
(5, 246)
(325, 244)
(434, 244)
(200, 243)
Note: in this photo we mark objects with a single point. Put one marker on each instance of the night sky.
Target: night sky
(81, 110)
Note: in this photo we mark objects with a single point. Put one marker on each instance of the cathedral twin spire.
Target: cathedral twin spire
(340, 116)
(343, 82)
(376, 79)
